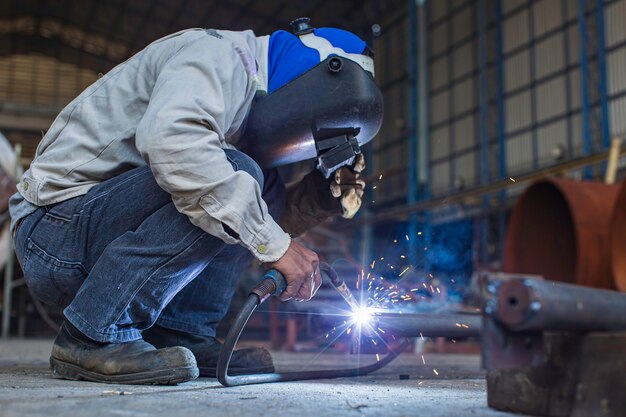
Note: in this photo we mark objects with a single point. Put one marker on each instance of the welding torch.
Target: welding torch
(273, 283)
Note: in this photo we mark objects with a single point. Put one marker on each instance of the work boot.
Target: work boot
(207, 349)
(75, 356)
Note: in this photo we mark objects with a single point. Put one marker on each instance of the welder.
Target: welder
(140, 210)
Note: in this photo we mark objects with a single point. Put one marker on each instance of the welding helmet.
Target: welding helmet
(322, 100)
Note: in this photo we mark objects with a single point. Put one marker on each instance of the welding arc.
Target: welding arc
(256, 297)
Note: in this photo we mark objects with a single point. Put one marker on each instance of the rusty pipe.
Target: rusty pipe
(618, 240)
(524, 304)
(559, 229)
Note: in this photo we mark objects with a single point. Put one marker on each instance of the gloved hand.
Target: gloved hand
(315, 198)
(347, 185)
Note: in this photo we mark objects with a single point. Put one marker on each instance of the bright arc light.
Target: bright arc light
(362, 316)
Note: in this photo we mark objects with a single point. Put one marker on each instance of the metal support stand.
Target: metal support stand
(554, 349)
(9, 270)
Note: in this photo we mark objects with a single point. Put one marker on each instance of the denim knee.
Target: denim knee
(242, 162)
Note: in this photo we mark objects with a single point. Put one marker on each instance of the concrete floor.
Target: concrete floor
(27, 388)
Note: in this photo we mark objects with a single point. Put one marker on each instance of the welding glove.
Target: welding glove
(308, 203)
(347, 185)
(315, 198)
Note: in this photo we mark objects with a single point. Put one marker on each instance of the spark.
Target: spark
(377, 357)
(419, 233)
(512, 179)
(372, 264)
(381, 330)
(420, 383)
(404, 270)
(374, 187)
(438, 292)
(453, 341)
(362, 316)
(407, 237)
(395, 241)
(380, 177)
(421, 335)
(349, 330)
(435, 371)
(423, 360)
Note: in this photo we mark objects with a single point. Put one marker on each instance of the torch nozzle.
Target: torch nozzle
(339, 285)
(346, 294)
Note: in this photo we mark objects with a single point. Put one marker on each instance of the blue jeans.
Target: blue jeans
(121, 257)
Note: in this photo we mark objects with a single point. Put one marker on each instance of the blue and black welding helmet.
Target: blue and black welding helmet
(323, 102)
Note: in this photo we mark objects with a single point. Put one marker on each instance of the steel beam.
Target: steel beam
(429, 324)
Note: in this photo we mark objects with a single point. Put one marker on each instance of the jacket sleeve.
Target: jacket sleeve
(196, 96)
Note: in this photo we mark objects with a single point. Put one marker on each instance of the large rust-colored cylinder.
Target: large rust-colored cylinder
(560, 229)
(618, 240)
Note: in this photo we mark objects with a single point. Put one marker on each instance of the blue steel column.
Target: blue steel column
(584, 80)
(418, 166)
(491, 124)
(594, 100)
(365, 246)
(602, 79)
(500, 125)
(483, 103)
(413, 182)
(423, 124)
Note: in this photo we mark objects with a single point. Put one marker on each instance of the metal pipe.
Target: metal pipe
(429, 325)
(8, 291)
(10, 266)
(536, 305)
(559, 229)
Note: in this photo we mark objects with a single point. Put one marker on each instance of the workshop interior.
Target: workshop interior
(485, 271)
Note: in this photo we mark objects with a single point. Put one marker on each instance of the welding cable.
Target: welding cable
(273, 284)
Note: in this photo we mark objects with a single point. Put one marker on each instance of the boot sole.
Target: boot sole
(160, 377)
